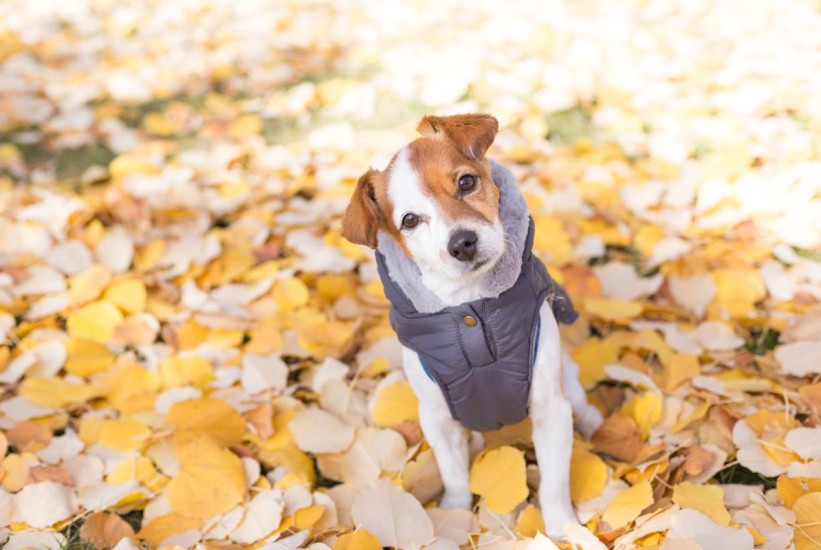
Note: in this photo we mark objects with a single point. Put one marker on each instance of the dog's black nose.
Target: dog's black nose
(462, 245)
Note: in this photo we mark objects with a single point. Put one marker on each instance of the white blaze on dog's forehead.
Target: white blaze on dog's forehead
(405, 189)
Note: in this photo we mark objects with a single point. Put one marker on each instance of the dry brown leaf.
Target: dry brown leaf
(697, 460)
(29, 436)
(104, 530)
(618, 437)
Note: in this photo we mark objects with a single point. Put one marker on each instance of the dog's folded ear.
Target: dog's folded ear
(360, 223)
(472, 134)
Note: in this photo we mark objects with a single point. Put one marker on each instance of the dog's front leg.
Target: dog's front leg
(446, 436)
(552, 419)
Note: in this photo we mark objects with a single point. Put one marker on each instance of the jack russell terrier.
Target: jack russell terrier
(475, 311)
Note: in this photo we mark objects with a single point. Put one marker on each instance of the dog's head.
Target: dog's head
(436, 198)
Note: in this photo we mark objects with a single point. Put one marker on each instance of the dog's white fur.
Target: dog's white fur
(428, 242)
(555, 391)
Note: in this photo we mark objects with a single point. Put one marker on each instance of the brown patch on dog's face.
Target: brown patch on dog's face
(440, 166)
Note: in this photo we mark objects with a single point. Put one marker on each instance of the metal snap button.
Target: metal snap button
(470, 320)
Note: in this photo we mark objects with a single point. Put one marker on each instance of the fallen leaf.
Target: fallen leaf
(392, 515)
(212, 417)
(588, 475)
(707, 499)
(103, 530)
(95, 321)
(807, 510)
(27, 505)
(628, 504)
(394, 404)
(211, 480)
(498, 475)
(263, 515)
(799, 358)
(320, 432)
(530, 522)
(618, 437)
(691, 525)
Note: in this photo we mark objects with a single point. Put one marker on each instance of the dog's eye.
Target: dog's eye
(409, 220)
(467, 182)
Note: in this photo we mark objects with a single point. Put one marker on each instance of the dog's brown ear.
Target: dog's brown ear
(472, 134)
(361, 221)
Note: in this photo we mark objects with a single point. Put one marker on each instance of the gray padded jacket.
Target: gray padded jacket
(481, 353)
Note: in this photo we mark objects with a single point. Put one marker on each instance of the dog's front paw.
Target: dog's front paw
(556, 520)
(452, 499)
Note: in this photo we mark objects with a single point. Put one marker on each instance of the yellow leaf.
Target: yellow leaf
(520, 433)
(128, 164)
(158, 124)
(588, 475)
(225, 338)
(89, 284)
(393, 404)
(245, 125)
(592, 356)
(4, 445)
(305, 518)
(807, 521)
(148, 256)
(183, 371)
(628, 504)
(645, 410)
(681, 367)
(358, 540)
(137, 468)
(95, 321)
(127, 294)
(211, 480)
(737, 290)
(261, 272)
(231, 265)
(380, 365)
(647, 237)
(334, 286)
(264, 339)
(772, 427)
(327, 339)
(551, 239)
(16, 468)
(126, 382)
(530, 522)
(211, 417)
(290, 294)
(191, 335)
(791, 489)
(55, 392)
(86, 357)
(612, 310)
(123, 434)
(163, 527)
(499, 476)
(707, 499)
(300, 466)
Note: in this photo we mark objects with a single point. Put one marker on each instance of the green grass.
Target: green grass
(763, 340)
(738, 474)
(73, 540)
(569, 125)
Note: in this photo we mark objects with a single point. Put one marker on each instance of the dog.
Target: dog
(475, 311)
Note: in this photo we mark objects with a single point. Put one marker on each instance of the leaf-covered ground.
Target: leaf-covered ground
(190, 354)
